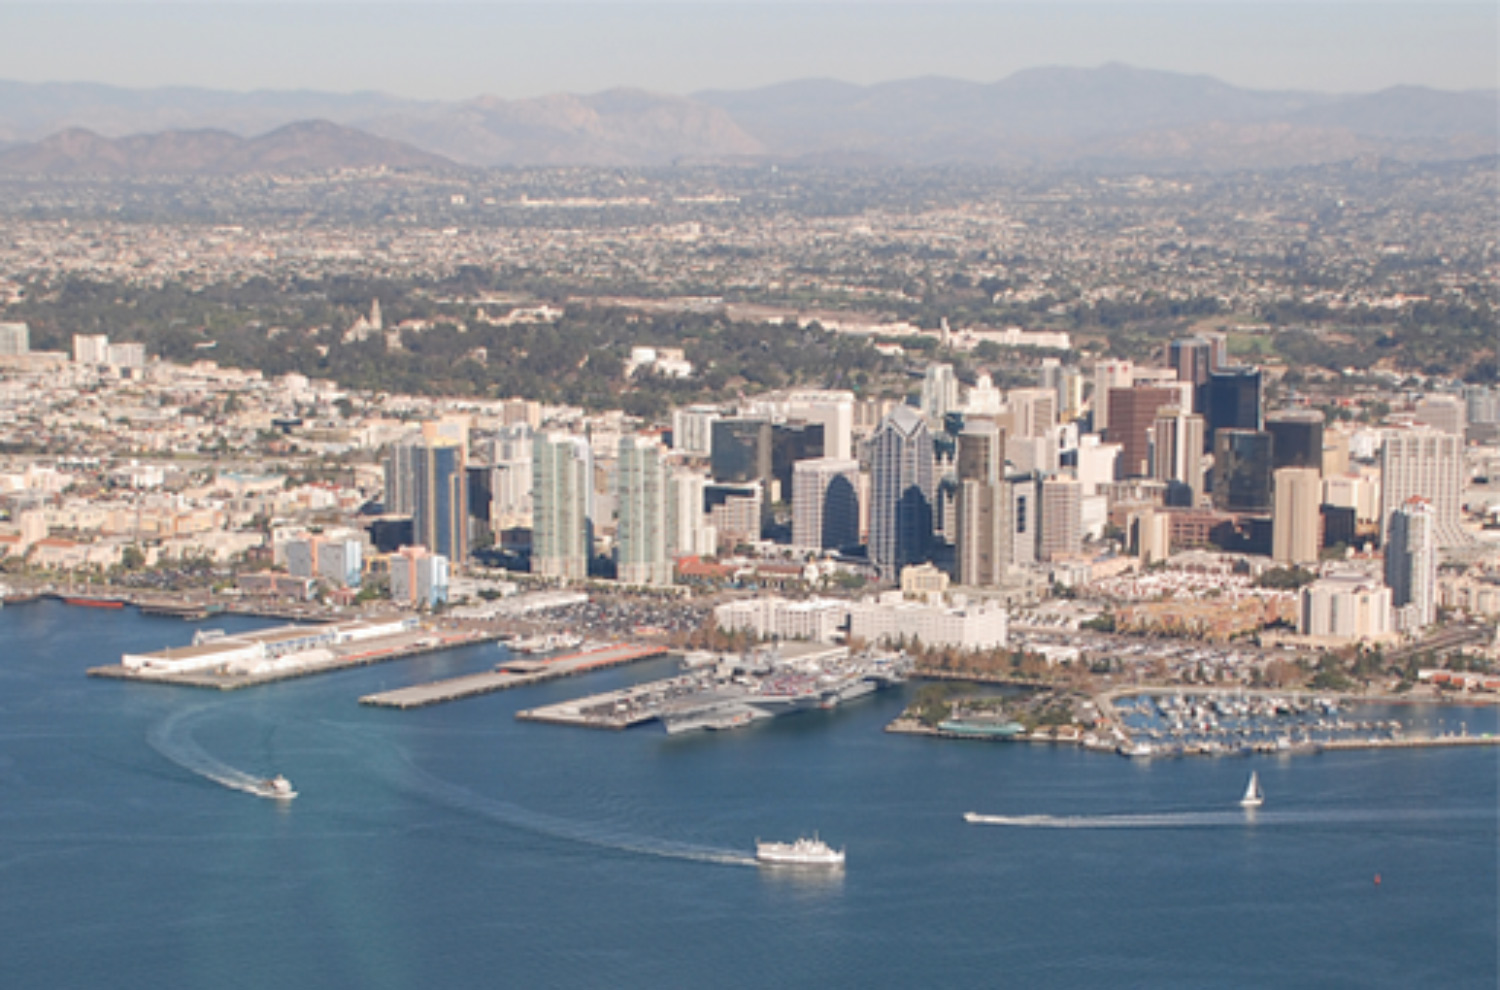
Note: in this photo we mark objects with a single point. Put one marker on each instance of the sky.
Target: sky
(515, 50)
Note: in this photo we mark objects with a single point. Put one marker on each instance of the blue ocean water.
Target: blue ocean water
(454, 846)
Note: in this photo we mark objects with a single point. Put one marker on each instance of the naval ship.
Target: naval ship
(767, 684)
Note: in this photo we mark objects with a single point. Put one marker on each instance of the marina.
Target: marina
(1163, 724)
(510, 675)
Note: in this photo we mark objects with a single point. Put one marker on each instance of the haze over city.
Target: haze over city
(455, 51)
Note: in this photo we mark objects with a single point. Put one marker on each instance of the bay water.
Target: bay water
(455, 846)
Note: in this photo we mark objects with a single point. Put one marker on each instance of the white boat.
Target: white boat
(803, 852)
(1254, 797)
(277, 787)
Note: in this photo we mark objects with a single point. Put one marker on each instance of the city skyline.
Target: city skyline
(519, 51)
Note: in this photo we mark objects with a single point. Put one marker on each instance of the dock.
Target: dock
(513, 675)
(615, 710)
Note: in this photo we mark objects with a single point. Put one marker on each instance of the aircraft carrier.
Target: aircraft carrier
(772, 682)
(727, 691)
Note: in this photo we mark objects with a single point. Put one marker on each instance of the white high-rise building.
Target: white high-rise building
(130, 355)
(1347, 607)
(1098, 463)
(563, 479)
(90, 348)
(1411, 563)
(1427, 464)
(511, 458)
(939, 393)
(1296, 523)
(984, 399)
(825, 503)
(15, 339)
(693, 429)
(641, 540)
(688, 530)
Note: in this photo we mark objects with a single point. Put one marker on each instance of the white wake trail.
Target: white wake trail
(1224, 819)
(172, 737)
(515, 816)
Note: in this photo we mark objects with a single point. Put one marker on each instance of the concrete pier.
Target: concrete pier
(515, 674)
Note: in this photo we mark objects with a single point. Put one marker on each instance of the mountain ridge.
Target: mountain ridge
(1121, 115)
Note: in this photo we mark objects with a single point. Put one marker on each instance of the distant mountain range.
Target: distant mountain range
(310, 145)
(1110, 117)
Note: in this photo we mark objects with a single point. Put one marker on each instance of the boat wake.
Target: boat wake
(1221, 819)
(172, 737)
(515, 816)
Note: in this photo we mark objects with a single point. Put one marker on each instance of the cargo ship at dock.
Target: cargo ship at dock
(86, 601)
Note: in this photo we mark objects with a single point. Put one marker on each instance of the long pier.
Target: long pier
(513, 675)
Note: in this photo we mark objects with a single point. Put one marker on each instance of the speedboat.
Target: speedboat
(277, 787)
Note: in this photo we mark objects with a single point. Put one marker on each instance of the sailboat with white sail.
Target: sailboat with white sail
(1254, 796)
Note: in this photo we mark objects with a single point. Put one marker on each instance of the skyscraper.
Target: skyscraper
(1177, 449)
(687, 530)
(692, 429)
(1193, 360)
(1298, 436)
(1132, 411)
(1242, 471)
(1427, 464)
(440, 516)
(563, 477)
(429, 482)
(939, 392)
(1232, 401)
(981, 451)
(1033, 411)
(1109, 375)
(511, 460)
(1411, 563)
(640, 541)
(825, 504)
(790, 443)
(1061, 524)
(741, 451)
(902, 489)
(1296, 523)
(997, 528)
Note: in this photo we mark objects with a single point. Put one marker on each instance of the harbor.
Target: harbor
(512, 674)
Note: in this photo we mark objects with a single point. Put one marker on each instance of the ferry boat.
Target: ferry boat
(803, 852)
(983, 728)
(277, 787)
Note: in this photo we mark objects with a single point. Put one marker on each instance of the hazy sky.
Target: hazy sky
(454, 50)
